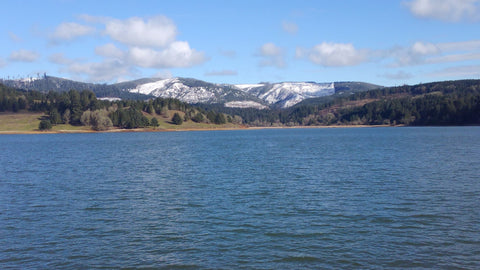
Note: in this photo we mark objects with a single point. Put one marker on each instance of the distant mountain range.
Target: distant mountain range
(260, 96)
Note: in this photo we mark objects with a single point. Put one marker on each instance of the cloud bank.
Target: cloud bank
(24, 56)
(135, 43)
(333, 54)
(157, 31)
(69, 31)
(445, 10)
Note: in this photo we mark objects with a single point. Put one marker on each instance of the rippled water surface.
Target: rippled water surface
(369, 198)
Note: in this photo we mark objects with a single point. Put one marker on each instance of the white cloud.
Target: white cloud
(177, 54)
(414, 55)
(163, 74)
(24, 56)
(270, 49)
(471, 71)
(100, 72)
(3, 63)
(460, 46)
(70, 30)
(289, 27)
(271, 55)
(454, 58)
(333, 54)
(157, 31)
(429, 53)
(225, 72)
(110, 51)
(105, 71)
(59, 58)
(445, 10)
(422, 48)
(134, 42)
(400, 75)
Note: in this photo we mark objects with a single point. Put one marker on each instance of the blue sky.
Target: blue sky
(377, 41)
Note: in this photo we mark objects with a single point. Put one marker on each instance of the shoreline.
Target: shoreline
(33, 132)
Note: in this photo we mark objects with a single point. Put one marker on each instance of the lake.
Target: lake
(370, 198)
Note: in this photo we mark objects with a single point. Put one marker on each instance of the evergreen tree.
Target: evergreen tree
(75, 107)
(154, 122)
(54, 117)
(177, 119)
(198, 118)
(45, 125)
(219, 119)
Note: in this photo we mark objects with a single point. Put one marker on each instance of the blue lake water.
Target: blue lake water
(371, 198)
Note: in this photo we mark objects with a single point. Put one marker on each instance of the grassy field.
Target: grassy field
(21, 122)
(165, 123)
(28, 123)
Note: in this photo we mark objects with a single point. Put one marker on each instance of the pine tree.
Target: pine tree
(177, 119)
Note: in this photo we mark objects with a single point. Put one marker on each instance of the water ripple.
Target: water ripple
(381, 198)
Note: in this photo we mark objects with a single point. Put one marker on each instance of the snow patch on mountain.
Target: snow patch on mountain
(287, 94)
(109, 98)
(290, 94)
(247, 87)
(245, 104)
(175, 88)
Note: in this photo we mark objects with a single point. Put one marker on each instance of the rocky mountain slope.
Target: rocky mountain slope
(260, 96)
(282, 95)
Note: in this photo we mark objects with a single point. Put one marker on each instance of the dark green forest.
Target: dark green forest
(83, 108)
(437, 103)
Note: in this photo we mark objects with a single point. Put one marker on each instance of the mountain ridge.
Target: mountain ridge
(261, 95)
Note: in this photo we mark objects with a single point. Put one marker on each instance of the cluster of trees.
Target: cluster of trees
(461, 107)
(11, 99)
(83, 108)
(439, 103)
(44, 83)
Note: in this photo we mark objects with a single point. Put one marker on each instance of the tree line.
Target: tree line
(83, 108)
(438, 103)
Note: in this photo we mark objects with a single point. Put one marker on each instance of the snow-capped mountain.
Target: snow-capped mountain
(285, 94)
(259, 96)
(193, 91)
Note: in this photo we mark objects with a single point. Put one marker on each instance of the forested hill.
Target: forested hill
(437, 103)
(82, 108)
(49, 83)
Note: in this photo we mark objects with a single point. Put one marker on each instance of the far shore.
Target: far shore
(117, 130)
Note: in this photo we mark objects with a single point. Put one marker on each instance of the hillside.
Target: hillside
(79, 111)
(261, 95)
(193, 91)
(436, 103)
(49, 83)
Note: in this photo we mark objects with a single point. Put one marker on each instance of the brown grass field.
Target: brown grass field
(25, 123)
